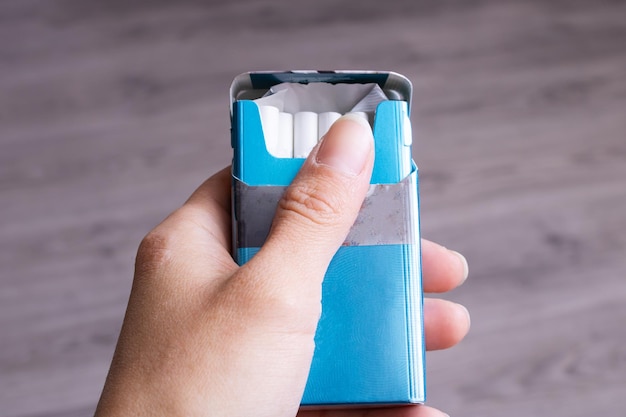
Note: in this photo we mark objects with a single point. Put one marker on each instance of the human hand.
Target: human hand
(205, 337)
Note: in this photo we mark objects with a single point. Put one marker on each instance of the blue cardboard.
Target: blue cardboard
(369, 341)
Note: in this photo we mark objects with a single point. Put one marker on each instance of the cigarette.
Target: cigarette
(270, 123)
(304, 133)
(285, 135)
(325, 121)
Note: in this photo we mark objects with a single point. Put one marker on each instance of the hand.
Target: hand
(205, 337)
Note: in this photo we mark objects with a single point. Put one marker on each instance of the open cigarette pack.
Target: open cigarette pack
(369, 344)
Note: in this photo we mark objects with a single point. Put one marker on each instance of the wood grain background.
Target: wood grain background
(112, 112)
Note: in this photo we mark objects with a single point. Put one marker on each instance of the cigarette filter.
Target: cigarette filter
(325, 121)
(304, 133)
(270, 124)
(285, 135)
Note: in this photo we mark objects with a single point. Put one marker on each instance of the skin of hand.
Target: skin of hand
(205, 337)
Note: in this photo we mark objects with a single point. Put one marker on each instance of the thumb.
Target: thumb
(319, 207)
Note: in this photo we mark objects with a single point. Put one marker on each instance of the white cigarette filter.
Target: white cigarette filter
(270, 122)
(325, 121)
(285, 135)
(304, 133)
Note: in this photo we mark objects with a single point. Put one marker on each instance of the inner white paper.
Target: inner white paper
(323, 97)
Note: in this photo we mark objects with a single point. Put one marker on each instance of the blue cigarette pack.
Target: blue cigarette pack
(369, 344)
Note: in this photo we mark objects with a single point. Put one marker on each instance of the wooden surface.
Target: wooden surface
(112, 112)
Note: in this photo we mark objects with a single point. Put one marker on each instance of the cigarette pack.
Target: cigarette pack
(369, 344)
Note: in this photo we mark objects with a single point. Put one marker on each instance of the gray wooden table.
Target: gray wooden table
(112, 112)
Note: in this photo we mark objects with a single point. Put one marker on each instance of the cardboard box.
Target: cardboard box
(369, 341)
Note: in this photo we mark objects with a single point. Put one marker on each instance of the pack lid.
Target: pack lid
(253, 85)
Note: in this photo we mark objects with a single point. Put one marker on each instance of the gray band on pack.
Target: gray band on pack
(388, 215)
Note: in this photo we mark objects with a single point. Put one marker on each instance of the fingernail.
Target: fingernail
(463, 263)
(347, 145)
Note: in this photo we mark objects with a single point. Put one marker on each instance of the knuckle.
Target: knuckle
(155, 250)
(312, 203)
